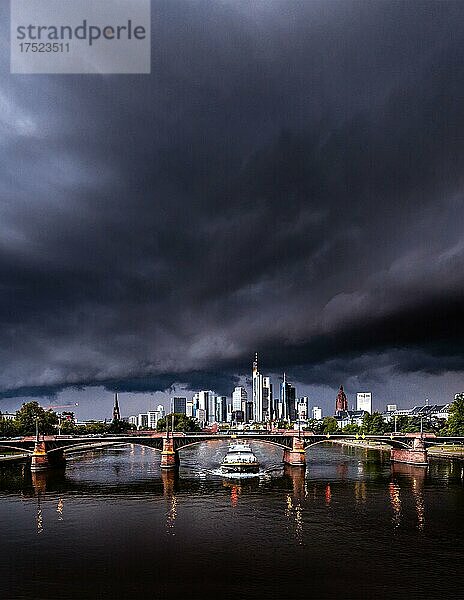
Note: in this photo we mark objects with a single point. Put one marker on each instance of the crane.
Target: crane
(53, 406)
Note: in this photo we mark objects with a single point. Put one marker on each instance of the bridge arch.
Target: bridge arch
(23, 450)
(180, 447)
(389, 443)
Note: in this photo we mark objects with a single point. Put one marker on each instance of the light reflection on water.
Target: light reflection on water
(118, 512)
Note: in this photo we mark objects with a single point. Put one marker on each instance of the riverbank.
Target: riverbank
(454, 452)
(13, 457)
(369, 445)
(444, 451)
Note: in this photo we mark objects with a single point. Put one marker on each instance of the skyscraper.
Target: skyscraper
(263, 408)
(116, 412)
(341, 403)
(239, 396)
(287, 400)
(205, 401)
(179, 405)
(221, 409)
(268, 407)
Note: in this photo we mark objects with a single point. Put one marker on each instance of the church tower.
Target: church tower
(341, 403)
(116, 412)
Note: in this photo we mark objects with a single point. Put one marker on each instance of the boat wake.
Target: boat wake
(219, 473)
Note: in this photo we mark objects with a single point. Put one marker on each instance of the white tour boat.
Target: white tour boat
(239, 459)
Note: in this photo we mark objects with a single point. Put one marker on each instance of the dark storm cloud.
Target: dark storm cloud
(288, 179)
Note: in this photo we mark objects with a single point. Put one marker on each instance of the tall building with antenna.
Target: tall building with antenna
(262, 395)
(257, 383)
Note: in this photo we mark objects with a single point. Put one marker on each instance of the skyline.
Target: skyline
(287, 180)
(98, 404)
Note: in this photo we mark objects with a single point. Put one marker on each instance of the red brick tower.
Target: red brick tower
(341, 402)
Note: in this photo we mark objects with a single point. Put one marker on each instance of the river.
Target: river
(113, 526)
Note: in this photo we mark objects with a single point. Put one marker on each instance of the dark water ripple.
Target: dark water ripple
(114, 526)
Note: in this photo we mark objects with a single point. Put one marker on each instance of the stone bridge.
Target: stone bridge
(49, 451)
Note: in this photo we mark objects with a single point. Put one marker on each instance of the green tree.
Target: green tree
(181, 423)
(455, 425)
(329, 425)
(351, 428)
(119, 427)
(313, 425)
(26, 419)
(8, 427)
(373, 424)
(95, 427)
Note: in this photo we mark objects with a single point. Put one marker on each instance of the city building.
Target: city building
(221, 409)
(268, 408)
(432, 412)
(364, 401)
(161, 411)
(341, 403)
(179, 405)
(316, 413)
(262, 400)
(205, 401)
(239, 396)
(242, 408)
(7, 416)
(189, 411)
(302, 408)
(238, 416)
(116, 411)
(391, 408)
(152, 419)
(142, 421)
(287, 400)
(201, 416)
(349, 417)
(133, 420)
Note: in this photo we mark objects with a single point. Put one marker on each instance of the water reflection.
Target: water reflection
(414, 478)
(360, 492)
(59, 509)
(294, 503)
(328, 494)
(395, 501)
(170, 478)
(235, 491)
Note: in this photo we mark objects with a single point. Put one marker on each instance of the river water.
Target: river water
(113, 526)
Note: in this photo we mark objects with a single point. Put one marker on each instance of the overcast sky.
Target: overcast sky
(288, 180)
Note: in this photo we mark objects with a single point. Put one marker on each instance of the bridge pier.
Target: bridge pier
(296, 455)
(39, 460)
(416, 455)
(42, 460)
(169, 456)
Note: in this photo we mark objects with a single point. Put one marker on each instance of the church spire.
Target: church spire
(116, 412)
